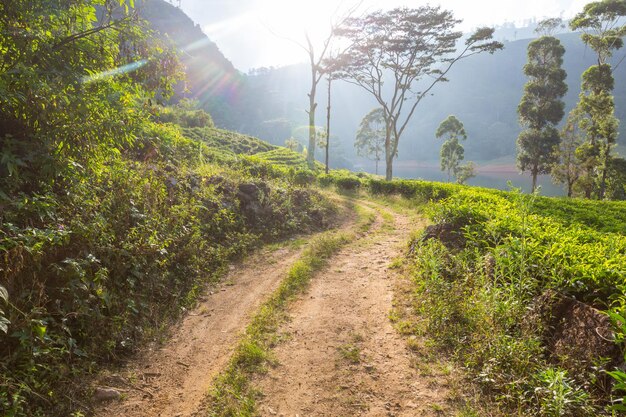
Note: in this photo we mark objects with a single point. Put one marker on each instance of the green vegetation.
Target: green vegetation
(482, 284)
(411, 45)
(370, 138)
(226, 141)
(603, 30)
(112, 217)
(285, 158)
(542, 107)
(452, 152)
(233, 394)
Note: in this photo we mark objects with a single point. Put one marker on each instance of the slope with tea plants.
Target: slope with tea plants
(526, 292)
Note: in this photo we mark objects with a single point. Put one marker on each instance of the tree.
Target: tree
(541, 107)
(568, 169)
(71, 74)
(452, 152)
(317, 59)
(370, 138)
(405, 46)
(292, 144)
(603, 30)
(466, 172)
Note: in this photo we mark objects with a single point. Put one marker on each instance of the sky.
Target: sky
(264, 33)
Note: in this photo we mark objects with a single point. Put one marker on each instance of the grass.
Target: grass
(233, 393)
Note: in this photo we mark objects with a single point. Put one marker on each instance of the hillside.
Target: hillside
(153, 264)
(211, 77)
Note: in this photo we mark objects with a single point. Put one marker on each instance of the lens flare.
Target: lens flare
(115, 71)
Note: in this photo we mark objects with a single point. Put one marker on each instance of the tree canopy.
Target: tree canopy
(541, 107)
(404, 46)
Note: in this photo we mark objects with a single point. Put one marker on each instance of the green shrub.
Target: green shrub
(475, 299)
(93, 270)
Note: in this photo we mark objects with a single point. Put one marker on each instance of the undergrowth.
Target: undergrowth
(480, 294)
(91, 270)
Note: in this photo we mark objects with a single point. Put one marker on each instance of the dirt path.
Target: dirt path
(173, 380)
(343, 357)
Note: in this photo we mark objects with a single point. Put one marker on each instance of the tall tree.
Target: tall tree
(452, 152)
(603, 30)
(370, 138)
(404, 46)
(541, 107)
(567, 169)
(317, 58)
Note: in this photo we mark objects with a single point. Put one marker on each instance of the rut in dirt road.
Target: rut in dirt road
(343, 356)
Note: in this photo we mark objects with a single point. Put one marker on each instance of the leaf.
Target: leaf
(40, 330)
(4, 294)
(4, 324)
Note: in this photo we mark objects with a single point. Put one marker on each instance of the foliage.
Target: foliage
(70, 77)
(541, 107)
(292, 144)
(185, 114)
(113, 218)
(603, 30)
(567, 168)
(452, 152)
(411, 44)
(465, 172)
(370, 137)
(228, 142)
(477, 299)
(284, 157)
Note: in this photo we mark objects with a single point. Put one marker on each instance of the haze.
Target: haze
(255, 33)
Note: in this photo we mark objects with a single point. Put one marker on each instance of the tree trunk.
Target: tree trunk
(311, 150)
(312, 107)
(607, 158)
(388, 154)
(377, 166)
(534, 175)
(389, 169)
(330, 80)
(570, 185)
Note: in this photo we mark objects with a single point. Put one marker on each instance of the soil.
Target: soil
(174, 379)
(343, 357)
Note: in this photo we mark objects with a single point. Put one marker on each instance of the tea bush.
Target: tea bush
(476, 300)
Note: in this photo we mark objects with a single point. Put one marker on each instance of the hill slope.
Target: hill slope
(211, 78)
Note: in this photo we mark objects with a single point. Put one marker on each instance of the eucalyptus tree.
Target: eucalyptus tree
(370, 138)
(318, 54)
(414, 49)
(568, 168)
(603, 30)
(541, 107)
(452, 152)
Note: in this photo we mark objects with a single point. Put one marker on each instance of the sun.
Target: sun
(292, 19)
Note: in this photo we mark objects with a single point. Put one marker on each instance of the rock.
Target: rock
(248, 192)
(102, 394)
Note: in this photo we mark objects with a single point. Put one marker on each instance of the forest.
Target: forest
(158, 258)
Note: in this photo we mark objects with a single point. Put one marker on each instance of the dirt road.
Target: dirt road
(341, 357)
